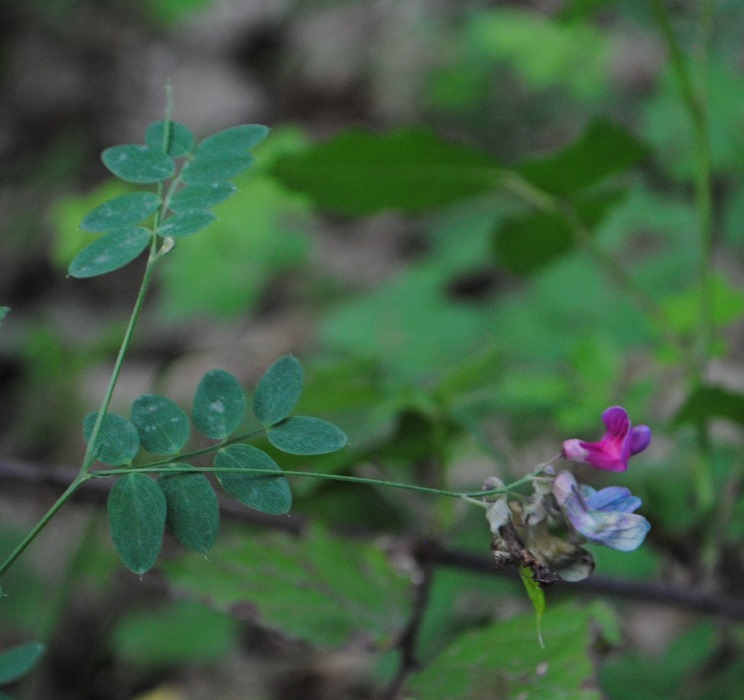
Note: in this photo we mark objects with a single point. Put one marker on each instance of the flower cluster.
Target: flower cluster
(546, 530)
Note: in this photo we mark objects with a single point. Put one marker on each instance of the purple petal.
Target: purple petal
(640, 438)
(616, 420)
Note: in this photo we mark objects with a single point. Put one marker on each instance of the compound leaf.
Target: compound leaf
(109, 252)
(137, 511)
(219, 404)
(264, 492)
(278, 391)
(163, 425)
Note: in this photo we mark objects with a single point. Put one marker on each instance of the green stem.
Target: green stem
(79, 480)
(176, 469)
(90, 454)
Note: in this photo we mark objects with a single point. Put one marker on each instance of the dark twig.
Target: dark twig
(409, 638)
(34, 476)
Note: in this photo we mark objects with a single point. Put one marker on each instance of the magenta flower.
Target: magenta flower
(615, 448)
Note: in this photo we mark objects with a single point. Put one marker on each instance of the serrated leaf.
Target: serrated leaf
(708, 402)
(110, 252)
(137, 163)
(121, 212)
(278, 391)
(163, 425)
(201, 196)
(224, 155)
(336, 584)
(118, 440)
(184, 223)
(358, 173)
(137, 511)
(180, 139)
(219, 404)
(19, 660)
(603, 149)
(507, 657)
(302, 435)
(264, 492)
(193, 511)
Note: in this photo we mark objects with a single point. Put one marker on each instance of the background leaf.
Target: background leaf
(603, 149)
(118, 440)
(505, 660)
(708, 402)
(110, 252)
(219, 404)
(193, 511)
(141, 164)
(121, 212)
(278, 391)
(137, 511)
(302, 435)
(163, 425)
(269, 494)
(359, 173)
(19, 660)
(336, 586)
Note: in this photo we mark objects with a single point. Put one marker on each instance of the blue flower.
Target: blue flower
(603, 517)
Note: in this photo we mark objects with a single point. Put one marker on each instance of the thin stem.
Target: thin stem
(90, 453)
(177, 469)
(26, 541)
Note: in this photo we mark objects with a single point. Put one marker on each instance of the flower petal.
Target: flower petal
(640, 438)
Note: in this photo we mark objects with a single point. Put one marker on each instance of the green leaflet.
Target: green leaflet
(193, 511)
(278, 391)
(19, 660)
(180, 139)
(137, 512)
(163, 425)
(219, 404)
(118, 440)
(110, 252)
(121, 212)
(302, 435)
(264, 492)
(138, 163)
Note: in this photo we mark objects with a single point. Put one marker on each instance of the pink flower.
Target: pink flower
(615, 448)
